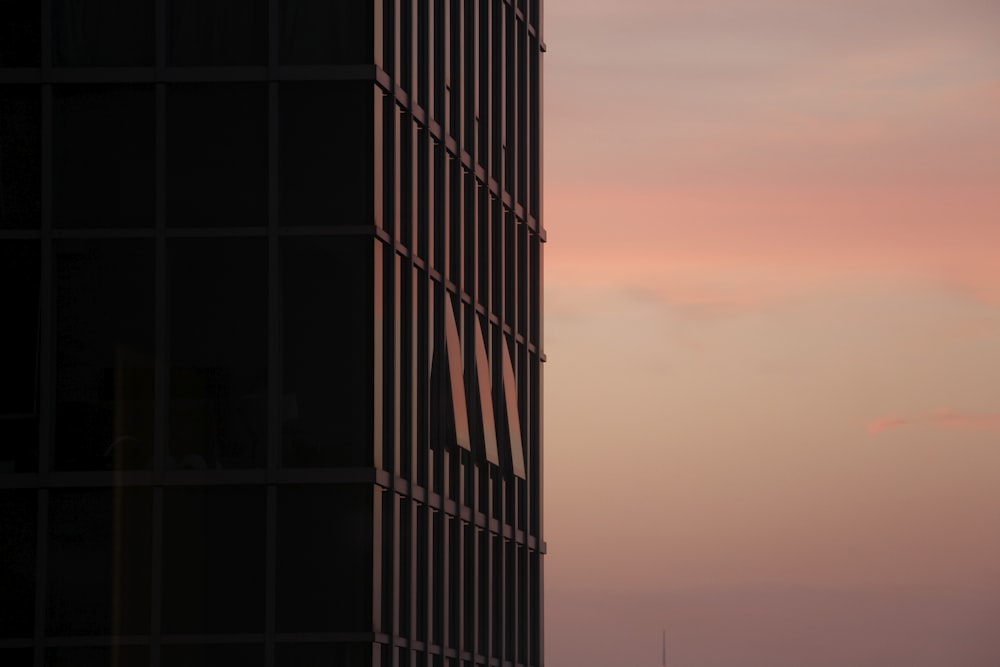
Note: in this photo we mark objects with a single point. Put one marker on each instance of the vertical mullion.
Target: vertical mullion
(270, 557)
(274, 384)
(45, 338)
(41, 553)
(274, 387)
(160, 344)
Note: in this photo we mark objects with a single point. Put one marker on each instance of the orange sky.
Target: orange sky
(773, 331)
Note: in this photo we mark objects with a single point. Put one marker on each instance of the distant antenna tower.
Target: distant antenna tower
(664, 648)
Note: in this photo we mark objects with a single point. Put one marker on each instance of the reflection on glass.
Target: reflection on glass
(104, 354)
(102, 33)
(103, 146)
(327, 349)
(18, 515)
(456, 380)
(217, 314)
(216, 155)
(106, 534)
(217, 32)
(20, 153)
(485, 396)
(513, 412)
(324, 559)
(213, 560)
(19, 356)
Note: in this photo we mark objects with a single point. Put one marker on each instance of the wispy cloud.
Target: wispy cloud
(940, 418)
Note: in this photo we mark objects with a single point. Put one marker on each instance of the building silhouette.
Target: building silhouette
(272, 311)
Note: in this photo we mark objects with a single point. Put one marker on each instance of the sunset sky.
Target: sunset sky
(773, 332)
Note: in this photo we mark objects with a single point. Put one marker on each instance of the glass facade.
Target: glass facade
(272, 296)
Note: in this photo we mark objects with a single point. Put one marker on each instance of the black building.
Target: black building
(271, 390)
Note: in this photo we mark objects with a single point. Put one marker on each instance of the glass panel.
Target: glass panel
(217, 155)
(324, 560)
(17, 657)
(513, 412)
(99, 562)
(20, 154)
(102, 33)
(103, 145)
(20, 44)
(326, 154)
(20, 273)
(327, 296)
(213, 560)
(212, 655)
(485, 396)
(18, 510)
(342, 655)
(217, 32)
(317, 32)
(456, 380)
(217, 310)
(104, 354)
(97, 656)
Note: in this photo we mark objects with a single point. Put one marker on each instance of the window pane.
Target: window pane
(98, 562)
(327, 351)
(103, 145)
(20, 44)
(324, 559)
(216, 155)
(102, 33)
(217, 309)
(17, 657)
(20, 276)
(317, 32)
(213, 560)
(326, 154)
(20, 155)
(212, 655)
(104, 354)
(341, 655)
(97, 656)
(217, 32)
(18, 512)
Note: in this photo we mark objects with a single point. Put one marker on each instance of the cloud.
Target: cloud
(940, 418)
(886, 423)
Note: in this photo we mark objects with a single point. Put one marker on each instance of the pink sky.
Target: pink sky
(773, 330)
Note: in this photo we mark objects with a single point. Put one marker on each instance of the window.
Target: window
(327, 350)
(20, 155)
(217, 32)
(213, 560)
(103, 146)
(104, 354)
(324, 559)
(102, 33)
(20, 43)
(217, 155)
(211, 655)
(326, 143)
(20, 277)
(97, 656)
(17, 566)
(217, 296)
(315, 32)
(106, 534)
